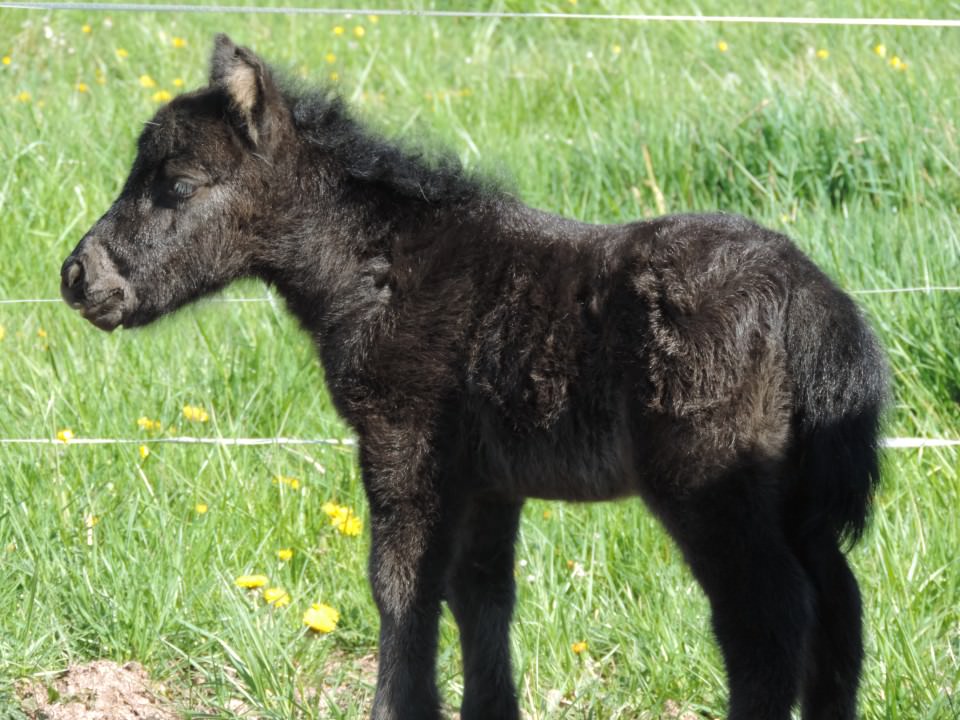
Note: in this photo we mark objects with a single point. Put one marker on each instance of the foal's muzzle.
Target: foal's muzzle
(90, 283)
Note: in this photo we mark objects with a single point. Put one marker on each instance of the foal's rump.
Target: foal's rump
(715, 295)
(760, 356)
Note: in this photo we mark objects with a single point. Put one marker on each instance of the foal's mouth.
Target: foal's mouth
(89, 300)
(105, 309)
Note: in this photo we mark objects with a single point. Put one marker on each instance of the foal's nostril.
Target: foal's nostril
(72, 282)
(73, 274)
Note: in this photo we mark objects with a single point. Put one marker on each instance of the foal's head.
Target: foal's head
(202, 196)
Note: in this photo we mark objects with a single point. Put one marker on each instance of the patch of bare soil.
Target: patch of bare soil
(99, 690)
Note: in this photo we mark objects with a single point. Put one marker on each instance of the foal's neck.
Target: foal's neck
(337, 263)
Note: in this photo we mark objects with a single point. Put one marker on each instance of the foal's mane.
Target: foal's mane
(409, 171)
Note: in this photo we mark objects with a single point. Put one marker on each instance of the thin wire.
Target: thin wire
(272, 299)
(897, 443)
(902, 443)
(480, 14)
(345, 442)
(926, 288)
(27, 301)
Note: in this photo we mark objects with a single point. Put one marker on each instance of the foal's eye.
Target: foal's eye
(183, 188)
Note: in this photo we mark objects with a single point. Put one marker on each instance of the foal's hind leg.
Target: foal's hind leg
(480, 593)
(760, 597)
(835, 652)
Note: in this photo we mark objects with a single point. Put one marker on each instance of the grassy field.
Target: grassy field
(847, 139)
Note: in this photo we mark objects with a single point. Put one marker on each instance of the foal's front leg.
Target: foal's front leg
(480, 592)
(407, 559)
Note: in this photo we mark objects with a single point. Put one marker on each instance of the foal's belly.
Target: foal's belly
(562, 464)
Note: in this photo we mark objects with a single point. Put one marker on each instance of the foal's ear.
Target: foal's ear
(247, 83)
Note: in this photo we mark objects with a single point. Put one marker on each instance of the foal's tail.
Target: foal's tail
(840, 387)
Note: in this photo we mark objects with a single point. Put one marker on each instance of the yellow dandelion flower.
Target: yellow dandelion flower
(880, 49)
(179, 42)
(82, 87)
(7, 60)
(86, 29)
(201, 508)
(162, 96)
(359, 31)
(617, 49)
(251, 581)
(897, 64)
(41, 333)
(334, 76)
(823, 53)
(178, 82)
(23, 96)
(147, 81)
(278, 597)
(65, 435)
(331, 58)
(722, 46)
(192, 413)
(343, 512)
(121, 53)
(3, 332)
(343, 519)
(144, 451)
(351, 527)
(89, 520)
(321, 618)
(373, 18)
(290, 482)
(145, 423)
(284, 554)
(338, 30)
(579, 647)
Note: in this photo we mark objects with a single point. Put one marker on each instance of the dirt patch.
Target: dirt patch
(104, 690)
(100, 690)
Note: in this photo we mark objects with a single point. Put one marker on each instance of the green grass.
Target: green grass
(858, 161)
